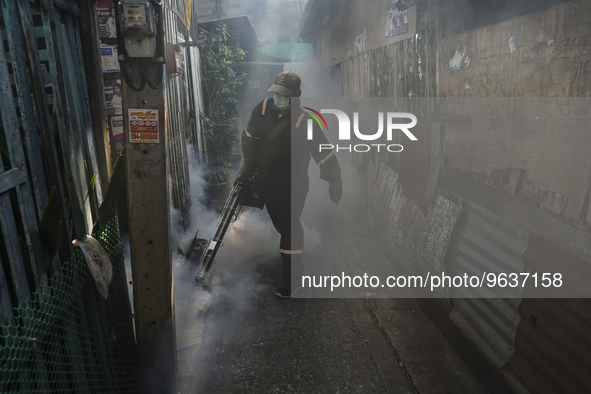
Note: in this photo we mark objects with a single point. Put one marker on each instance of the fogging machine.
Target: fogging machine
(243, 193)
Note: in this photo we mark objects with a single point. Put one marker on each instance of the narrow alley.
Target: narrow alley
(237, 337)
(295, 196)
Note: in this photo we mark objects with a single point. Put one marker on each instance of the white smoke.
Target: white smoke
(234, 281)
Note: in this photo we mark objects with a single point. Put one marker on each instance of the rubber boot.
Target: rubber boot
(292, 272)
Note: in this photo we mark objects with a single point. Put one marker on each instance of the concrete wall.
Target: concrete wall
(548, 163)
(273, 21)
(349, 19)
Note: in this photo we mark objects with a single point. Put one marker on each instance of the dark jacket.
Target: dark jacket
(274, 151)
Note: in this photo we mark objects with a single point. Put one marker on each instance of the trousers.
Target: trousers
(285, 211)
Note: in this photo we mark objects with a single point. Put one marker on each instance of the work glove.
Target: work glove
(335, 190)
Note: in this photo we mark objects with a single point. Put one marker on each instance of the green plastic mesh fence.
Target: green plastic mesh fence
(67, 338)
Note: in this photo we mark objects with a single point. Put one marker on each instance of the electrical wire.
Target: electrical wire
(142, 65)
(159, 74)
(127, 77)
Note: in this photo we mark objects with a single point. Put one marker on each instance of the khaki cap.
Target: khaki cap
(286, 82)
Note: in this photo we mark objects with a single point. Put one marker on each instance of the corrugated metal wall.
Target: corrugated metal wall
(177, 112)
(553, 344)
(484, 242)
(542, 344)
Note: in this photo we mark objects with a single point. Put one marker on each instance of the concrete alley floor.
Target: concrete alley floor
(237, 337)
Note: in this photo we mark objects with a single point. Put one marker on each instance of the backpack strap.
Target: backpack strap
(297, 125)
(280, 127)
(265, 105)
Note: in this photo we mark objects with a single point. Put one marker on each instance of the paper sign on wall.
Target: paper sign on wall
(105, 15)
(109, 58)
(113, 97)
(396, 21)
(143, 125)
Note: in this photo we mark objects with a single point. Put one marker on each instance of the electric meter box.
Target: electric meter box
(137, 23)
(137, 18)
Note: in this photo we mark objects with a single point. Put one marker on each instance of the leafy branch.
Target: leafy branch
(219, 81)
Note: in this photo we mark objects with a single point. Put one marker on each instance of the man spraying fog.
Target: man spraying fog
(275, 140)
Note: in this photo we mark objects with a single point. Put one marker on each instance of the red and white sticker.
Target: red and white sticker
(143, 125)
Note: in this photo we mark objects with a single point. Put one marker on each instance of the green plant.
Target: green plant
(217, 174)
(219, 81)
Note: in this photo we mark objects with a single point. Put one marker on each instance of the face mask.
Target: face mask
(281, 102)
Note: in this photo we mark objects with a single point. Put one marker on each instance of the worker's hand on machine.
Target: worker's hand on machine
(336, 202)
